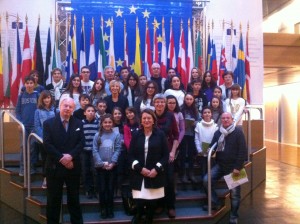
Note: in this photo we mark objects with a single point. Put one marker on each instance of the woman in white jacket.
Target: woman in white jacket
(204, 133)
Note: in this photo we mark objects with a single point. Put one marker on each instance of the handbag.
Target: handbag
(127, 199)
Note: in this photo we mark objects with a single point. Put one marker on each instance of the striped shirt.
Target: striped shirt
(89, 130)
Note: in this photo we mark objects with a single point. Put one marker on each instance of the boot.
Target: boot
(136, 219)
(191, 177)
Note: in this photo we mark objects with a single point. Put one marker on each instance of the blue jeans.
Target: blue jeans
(217, 172)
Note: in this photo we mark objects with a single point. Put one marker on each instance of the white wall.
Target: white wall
(241, 12)
(33, 8)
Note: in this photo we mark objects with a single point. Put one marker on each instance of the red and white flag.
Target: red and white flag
(171, 50)
(148, 59)
(26, 55)
(181, 63)
(190, 57)
(163, 56)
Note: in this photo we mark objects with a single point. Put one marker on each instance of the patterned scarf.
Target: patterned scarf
(224, 133)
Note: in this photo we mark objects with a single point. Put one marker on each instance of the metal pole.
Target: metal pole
(1, 139)
(209, 177)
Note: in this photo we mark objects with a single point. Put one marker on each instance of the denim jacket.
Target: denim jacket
(39, 117)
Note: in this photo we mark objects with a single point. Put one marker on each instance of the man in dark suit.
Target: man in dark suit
(63, 141)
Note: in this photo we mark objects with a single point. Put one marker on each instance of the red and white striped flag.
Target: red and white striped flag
(181, 64)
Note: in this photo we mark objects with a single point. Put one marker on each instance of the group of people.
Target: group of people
(87, 129)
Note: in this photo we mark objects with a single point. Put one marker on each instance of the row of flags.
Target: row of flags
(238, 61)
(190, 54)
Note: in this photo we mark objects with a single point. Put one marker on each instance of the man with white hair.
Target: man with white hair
(156, 77)
(63, 142)
(231, 153)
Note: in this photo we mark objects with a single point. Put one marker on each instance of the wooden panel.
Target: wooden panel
(257, 133)
(11, 137)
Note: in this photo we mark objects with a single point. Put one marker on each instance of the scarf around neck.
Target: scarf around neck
(224, 133)
(57, 87)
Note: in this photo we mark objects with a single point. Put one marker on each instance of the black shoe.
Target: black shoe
(89, 194)
(110, 214)
(103, 214)
(136, 219)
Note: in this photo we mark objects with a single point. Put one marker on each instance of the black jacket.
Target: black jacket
(157, 153)
(58, 142)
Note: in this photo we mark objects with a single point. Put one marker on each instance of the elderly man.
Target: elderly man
(63, 142)
(109, 74)
(156, 77)
(230, 156)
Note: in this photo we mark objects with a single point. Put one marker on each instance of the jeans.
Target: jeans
(218, 172)
(33, 153)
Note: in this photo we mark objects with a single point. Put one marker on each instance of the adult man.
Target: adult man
(109, 74)
(86, 83)
(57, 86)
(63, 142)
(124, 74)
(230, 156)
(167, 123)
(156, 77)
(228, 82)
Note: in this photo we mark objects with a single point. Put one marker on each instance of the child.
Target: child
(106, 150)
(132, 125)
(44, 111)
(199, 96)
(90, 128)
(98, 91)
(235, 105)
(26, 106)
(101, 108)
(142, 83)
(188, 150)
(216, 107)
(204, 133)
(84, 100)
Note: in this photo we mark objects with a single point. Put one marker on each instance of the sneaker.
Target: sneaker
(171, 213)
(44, 185)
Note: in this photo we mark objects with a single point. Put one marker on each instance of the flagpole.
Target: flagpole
(102, 22)
(231, 38)
(125, 42)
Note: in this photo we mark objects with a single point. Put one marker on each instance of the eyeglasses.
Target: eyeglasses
(85, 72)
(150, 87)
(132, 80)
(171, 102)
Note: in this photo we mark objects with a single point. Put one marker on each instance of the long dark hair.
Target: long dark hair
(185, 109)
(145, 95)
(136, 88)
(101, 128)
(177, 108)
(93, 90)
(70, 87)
(212, 83)
(44, 94)
(133, 110)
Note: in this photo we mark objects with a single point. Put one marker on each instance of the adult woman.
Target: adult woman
(73, 90)
(175, 90)
(132, 89)
(208, 85)
(147, 178)
(98, 91)
(195, 74)
(146, 100)
(115, 99)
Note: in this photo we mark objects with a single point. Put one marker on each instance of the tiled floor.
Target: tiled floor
(276, 201)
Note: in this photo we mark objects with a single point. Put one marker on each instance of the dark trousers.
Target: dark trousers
(218, 172)
(106, 183)
(87, 165)
(147, 207)
(187, 152)
(55, 182)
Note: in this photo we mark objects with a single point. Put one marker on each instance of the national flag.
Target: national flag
(47, 74)
(233, 61)
(7, 69)
(82, 55)
(198, 55)
(69, 60)
(56, 59)
(190, 56)
(137, 60)
(74, 49)
(26, 63)
(1, 74)
(163, 56)
(155, 44)
(111, 49)
(16, 71)
(126, 57)
(246, 92)
(213, 62)
(222, 65)
(240, 68)
(37, 62)
(148, 58)
(181, 63)
(92, 56)
(171, 50)
(101, 55)
(208, 54)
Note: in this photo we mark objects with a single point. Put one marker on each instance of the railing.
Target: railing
(212, 149)
(32, 135)
(23, 141)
